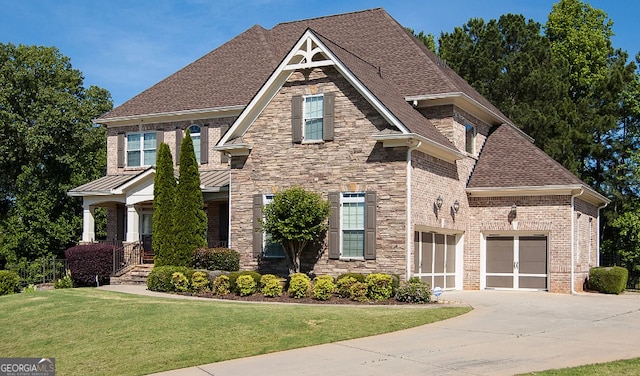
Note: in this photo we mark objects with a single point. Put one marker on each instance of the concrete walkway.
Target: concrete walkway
(507, 333)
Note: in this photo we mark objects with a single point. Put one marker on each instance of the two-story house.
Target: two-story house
(425, 177)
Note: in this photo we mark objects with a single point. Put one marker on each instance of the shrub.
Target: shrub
(180, 282)
(344, 286)
(65, 282)
(221, 285)
(200, 282)
(379, 286)
(608, 280)
(358, 292)
(90, 262)
(160, 277)
(246, 285)
(233, 276)
(323, 287)
(299, 285)
(216, 259)
(29, 288)
(9, 282)
(359, 277)
(271, 287)
(414, 291)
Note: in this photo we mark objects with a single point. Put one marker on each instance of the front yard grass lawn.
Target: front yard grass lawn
(629, 367)
(95, 332)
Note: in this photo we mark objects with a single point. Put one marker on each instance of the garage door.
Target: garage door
(435, 259)
(516, 262)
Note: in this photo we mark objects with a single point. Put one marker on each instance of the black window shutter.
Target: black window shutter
(334, 226)
(370, 226)
(327, 122)
(204, 144)
(257, 228)
(178, 142)
(120, 150)
(224, 158)
(296, 119)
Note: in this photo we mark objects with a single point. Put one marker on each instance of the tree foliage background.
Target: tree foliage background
(48, 145)
(565, 84)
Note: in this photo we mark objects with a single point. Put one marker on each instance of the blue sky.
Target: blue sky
(127, 46)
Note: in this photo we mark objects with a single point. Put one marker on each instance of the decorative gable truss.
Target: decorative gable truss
(310, 52)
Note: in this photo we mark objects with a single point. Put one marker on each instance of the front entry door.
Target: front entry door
(146, 235)
(517, 262)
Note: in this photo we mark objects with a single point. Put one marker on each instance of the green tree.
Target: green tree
(190, 220)
(48, 145)
(296, 218)
(164, 195)
(428, 40)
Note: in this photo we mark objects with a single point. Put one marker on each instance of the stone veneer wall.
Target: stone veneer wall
(353, 161)
(215, 126)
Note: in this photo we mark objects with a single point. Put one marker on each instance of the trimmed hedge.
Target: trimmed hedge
(233, 276)
(299, 285)
(9, 282)
(216, 259)
(88, 261)
(323, 287)
(608, 279)
(379, 286)
(359, 277)
(160, 278)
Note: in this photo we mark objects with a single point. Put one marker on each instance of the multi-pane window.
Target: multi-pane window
(313, 113)
(271, 248)
(141, 149)
(352, 224)
(470, 139)
(194, 131)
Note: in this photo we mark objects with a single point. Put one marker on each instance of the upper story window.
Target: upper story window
(470, 139)
(313, 118)
(141, 149)
(194, 131)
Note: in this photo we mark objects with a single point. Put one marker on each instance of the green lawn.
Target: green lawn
(629, 367)
(98, 332)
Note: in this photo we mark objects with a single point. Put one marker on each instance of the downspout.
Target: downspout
(229, 203)
(598, 234)
(573, 267)
(412, 145)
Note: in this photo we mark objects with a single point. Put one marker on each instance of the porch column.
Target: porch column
(133, 224)
(88, 224)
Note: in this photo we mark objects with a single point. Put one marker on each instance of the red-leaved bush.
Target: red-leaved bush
(88, 261)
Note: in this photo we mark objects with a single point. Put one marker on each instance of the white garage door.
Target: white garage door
(516, 262)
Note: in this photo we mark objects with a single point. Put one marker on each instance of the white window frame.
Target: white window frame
(194, 137)
(305, 119)
(468, 127)
(352, 197)
(141, 149)
(267, 199)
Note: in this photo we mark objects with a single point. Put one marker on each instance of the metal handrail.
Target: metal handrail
(125, 257)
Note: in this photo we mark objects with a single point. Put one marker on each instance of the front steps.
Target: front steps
(136, 276)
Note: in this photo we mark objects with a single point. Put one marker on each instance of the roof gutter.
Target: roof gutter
(425, 145)
(171, 115)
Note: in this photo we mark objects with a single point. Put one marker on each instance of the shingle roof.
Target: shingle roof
(231, 74)
(508, 159)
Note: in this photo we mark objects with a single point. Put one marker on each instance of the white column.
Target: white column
(88, 224)
(133, 224)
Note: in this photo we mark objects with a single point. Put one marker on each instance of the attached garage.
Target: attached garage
(437, 259)
(516, 262)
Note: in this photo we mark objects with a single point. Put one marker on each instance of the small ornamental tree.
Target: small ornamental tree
(296, 218)
(189, 219)
(164, 193)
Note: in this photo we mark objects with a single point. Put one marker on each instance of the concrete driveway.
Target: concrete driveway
(507, 333)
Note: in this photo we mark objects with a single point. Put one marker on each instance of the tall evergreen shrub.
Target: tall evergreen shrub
(164, 193)
(189, 218)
